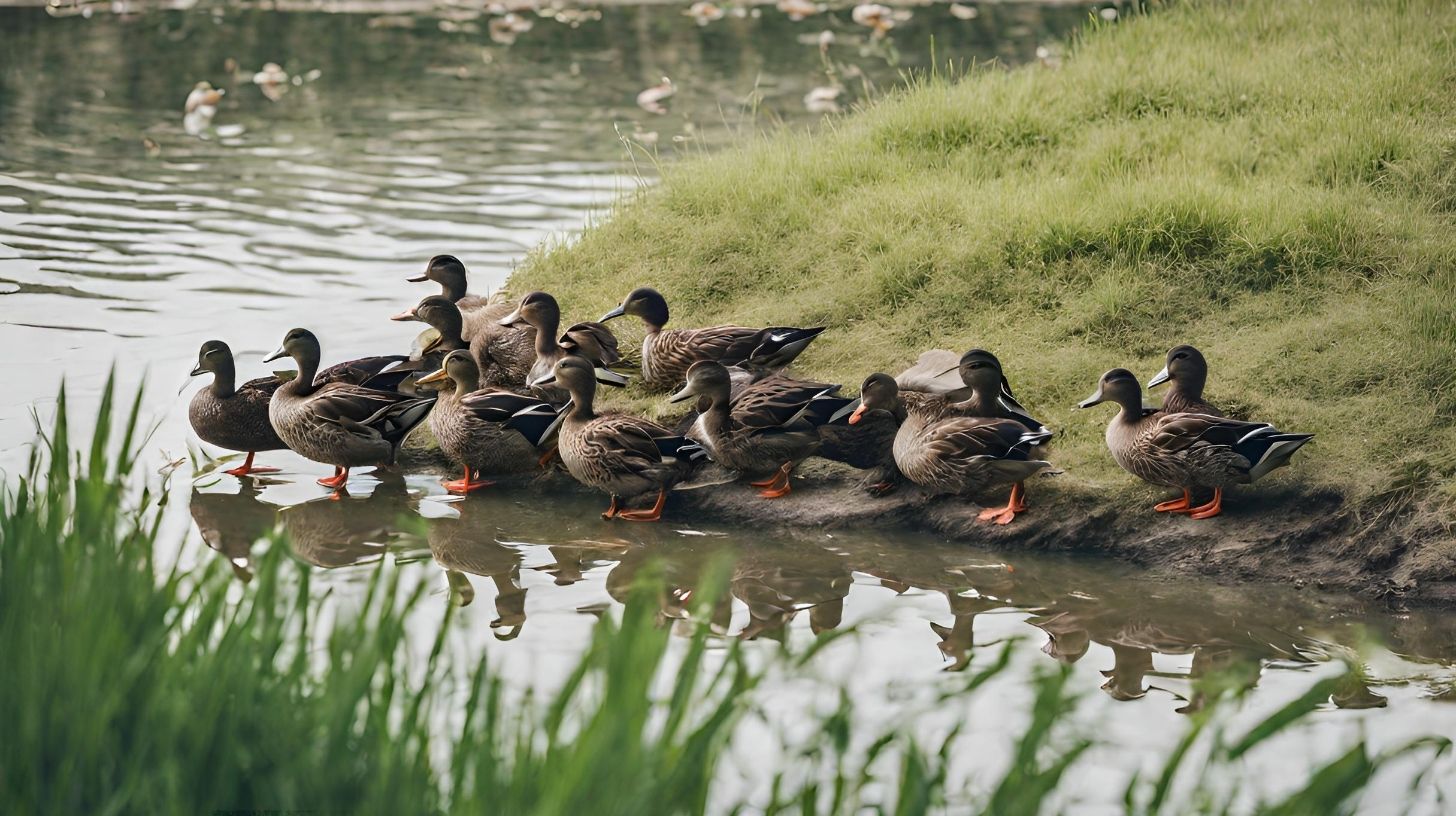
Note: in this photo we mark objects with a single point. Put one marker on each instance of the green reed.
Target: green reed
(131, 687)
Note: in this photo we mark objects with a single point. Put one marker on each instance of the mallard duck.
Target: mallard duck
(961, 455)
(470, 424)
(667, 354)
(767, 431)
(337, 423)
(591, 340)
(624, 456)
(1188, 371)
(230, 416)
(1188, 451)
(986, 392)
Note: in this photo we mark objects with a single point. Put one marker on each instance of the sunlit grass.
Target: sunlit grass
(130, 688)
(1273, 182)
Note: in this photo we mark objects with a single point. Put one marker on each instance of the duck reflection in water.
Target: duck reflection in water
(777, 583)
(469, 545)
(328, 532)
(231, 523)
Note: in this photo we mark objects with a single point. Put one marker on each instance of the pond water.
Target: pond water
(127, 240)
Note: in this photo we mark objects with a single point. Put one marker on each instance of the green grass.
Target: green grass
(1272, 182)
(128, 687)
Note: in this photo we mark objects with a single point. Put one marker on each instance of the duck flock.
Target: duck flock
(506, 391)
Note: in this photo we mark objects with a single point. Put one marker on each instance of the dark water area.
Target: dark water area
(127, 240)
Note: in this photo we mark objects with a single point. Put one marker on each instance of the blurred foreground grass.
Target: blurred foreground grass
(128, 688)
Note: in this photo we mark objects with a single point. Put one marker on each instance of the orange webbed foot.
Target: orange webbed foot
(462, 487)
(1175, 505)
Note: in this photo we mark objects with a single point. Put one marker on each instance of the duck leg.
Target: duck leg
(336, 481)
(1182, 505)
(779, 485)
(647, 515)
(466, 483)
(1211, 509)
(247, 467)
(1014, 504)
(612, 511)
(547, 457)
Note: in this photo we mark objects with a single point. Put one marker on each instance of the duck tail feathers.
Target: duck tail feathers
(1268, 449)
(781, 345)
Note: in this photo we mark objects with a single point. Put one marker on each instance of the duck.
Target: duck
(667, 354)
(1187, 370)
(1188, 451)
(954, 454)
(621, 455)
(593, 341)
(469, 424)
(765, 433)
(233, 416)
(339, 423)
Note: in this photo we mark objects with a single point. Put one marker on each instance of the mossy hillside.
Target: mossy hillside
(1273, 182)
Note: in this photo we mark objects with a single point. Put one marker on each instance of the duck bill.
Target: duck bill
(955, 367)
(858, 414)
(512, 319)
(849, 410)
(615, 313)
(1095, 399)
(544, 379)
(406, 315)
(420, 278)
(197, 370)
(606, 376)
(1160, 378)
(281, 352)
(434, 377)
(684, 394)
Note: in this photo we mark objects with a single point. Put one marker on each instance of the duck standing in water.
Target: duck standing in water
(470, 424)
(1187, 371)
(623, 456)
(593, 341)
(338, 423)
(767, 430)
(668, 353)
(946, 452)
(1188, 451)
(233, 416)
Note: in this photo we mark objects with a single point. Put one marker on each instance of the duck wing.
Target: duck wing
(1263, 446)
(779, 401)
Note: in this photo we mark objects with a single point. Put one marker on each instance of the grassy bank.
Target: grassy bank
(1272, 182)
(131, 688)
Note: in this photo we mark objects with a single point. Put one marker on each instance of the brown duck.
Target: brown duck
(948, 453)
(668, 353)
(1188, 451)
(593, 341)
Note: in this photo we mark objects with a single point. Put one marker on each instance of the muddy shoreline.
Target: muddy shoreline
(1279, 533)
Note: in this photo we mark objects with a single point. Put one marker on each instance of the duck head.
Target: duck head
(644, 302)
(1185, 366)
(1120, 386)
(300, 344)
(439, 312)
(879, 392)
(978, 369)
(537, 310)
(459, 367)
(446, 270)
(214, 356)
(605, 376)
(705, 378)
